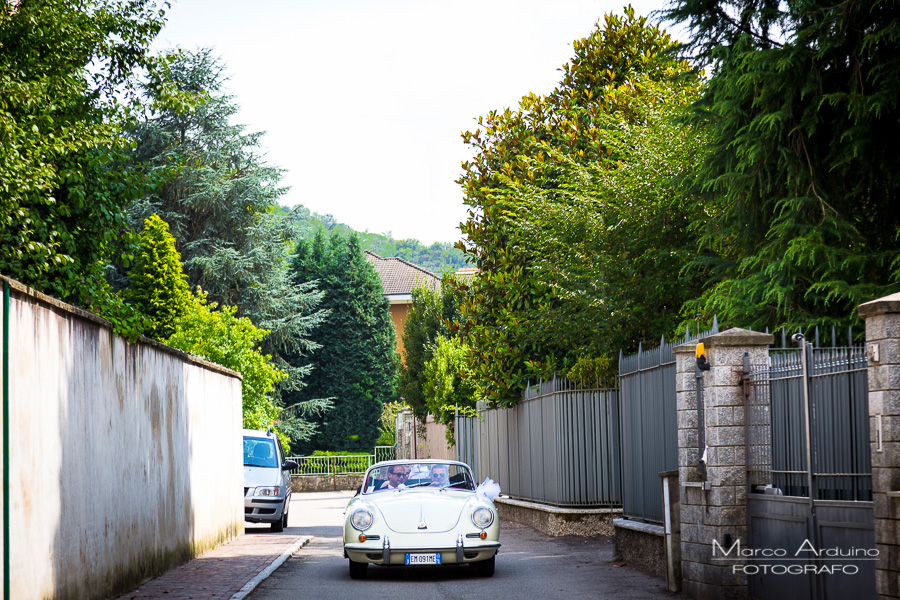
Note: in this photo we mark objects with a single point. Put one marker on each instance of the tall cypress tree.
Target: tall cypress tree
(356, 362)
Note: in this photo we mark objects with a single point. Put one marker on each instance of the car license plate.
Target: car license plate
(423, 559)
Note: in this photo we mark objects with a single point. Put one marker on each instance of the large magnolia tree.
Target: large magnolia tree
(538, 193)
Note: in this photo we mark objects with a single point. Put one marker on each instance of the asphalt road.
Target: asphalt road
(530, 565)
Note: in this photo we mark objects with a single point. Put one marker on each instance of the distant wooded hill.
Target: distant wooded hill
(434, 257)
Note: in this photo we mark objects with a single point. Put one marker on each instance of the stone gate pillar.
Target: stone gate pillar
(714, 503)
(883, 349)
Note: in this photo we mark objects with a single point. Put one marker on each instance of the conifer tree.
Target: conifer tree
(220, 199)
(802, 114)
(158, 285)
(355, 363)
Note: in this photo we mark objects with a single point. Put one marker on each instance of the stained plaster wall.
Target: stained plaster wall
(124, 458)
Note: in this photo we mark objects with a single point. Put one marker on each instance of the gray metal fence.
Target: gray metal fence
(649, 426)
(333, 465)
(560, 445)
(835, 382)
(809, 466)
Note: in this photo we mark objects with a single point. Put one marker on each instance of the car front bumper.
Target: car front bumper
(263, 510)
(383, 553)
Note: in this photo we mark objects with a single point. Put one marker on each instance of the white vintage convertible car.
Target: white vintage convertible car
(420, 512)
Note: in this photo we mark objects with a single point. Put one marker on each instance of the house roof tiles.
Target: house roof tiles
(400, 276)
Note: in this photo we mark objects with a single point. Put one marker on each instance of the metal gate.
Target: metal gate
(809, 506)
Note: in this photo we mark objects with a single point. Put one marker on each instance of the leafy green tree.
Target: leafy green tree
(509, 308)
(217, 335)
(448, 387)
(158, 285)
(800, 167)
(356, 361)
(614, 237)
(221, 201)
(421, 329)
(67, 93)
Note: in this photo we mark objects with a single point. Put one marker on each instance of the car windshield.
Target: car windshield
(421, 475)
(259, 452)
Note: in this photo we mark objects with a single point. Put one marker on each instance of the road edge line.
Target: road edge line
(253, 583)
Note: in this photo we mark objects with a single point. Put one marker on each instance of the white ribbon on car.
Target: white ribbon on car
(488, 489)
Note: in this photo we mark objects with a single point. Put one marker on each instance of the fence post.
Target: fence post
(714, 505)
(883, 349)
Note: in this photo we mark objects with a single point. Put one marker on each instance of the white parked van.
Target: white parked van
(267, 483)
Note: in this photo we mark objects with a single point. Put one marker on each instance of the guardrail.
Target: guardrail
(343, 464)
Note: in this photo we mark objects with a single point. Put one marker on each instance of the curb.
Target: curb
(253, 583)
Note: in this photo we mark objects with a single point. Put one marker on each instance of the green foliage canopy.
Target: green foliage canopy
(220, 337)
(68, 73)
(613, 237)
(221, 201)
(428, 318)
(802, 114)
(448, 385)
(510, 306)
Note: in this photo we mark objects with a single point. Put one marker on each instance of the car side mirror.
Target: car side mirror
(289, 465)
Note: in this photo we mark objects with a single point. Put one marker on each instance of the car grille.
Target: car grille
(470, 554)
(374, 555)
(249, 510)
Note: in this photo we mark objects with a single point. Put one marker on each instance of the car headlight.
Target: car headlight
(361, 519)
(482, 517)
(267, 491)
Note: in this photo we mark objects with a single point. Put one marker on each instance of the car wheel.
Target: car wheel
(278, 526)
(485, 567)
(358, 570)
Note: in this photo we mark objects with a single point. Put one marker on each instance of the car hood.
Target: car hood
(406, 512)
(261, 476)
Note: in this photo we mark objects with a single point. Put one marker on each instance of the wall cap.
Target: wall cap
(640, 526)
(61, 306)
(558, 510)
(739, 337)
(880, 306)
(685, 348)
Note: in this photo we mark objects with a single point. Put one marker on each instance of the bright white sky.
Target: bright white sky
(363, 101)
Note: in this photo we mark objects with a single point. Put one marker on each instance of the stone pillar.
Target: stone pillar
(883, 348)
(714, 507)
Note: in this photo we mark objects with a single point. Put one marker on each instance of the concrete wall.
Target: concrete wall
(431, 441)
(342, 482)
(641, 545)
(430, 438)
(125, 459)
(555, 521)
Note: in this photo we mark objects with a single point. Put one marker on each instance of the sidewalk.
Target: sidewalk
(229, 572)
